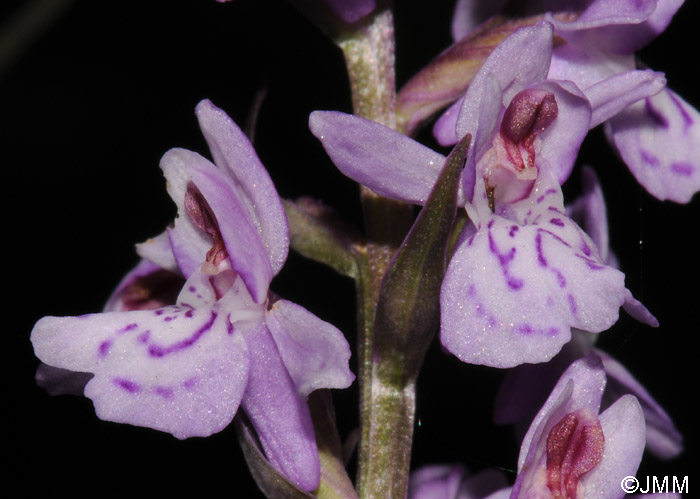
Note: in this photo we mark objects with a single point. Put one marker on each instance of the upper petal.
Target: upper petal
(241, 237)
(659, 140)
(388, 162)
(314, 352)
(233, 153)
(176, 369)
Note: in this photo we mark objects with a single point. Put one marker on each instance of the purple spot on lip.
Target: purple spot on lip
(189, 313)
(684, 169)
(160, 311)
(572, 303)
(165, 392)
(104, 348)
(525, 329)
(143, 337)
(127, 385)
(159, 351)
(557, 221)
(192, 289)
(190, 383)
(649, 158)
(513, 230)
(229, 326)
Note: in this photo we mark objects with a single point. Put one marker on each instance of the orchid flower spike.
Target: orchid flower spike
(185, 366)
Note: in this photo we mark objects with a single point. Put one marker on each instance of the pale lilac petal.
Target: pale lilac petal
(590, 212)
(188, 244)
(177, 369)
(514, 289)
(560, 142)
(659, 139)
(279, 414)
(586, 66)
(623, 427)
(605, 13)
(241, 237)
(145, 287)
(388, 162)
(517, 62)
(233, 153)
(445, 128)
(614, 94)
(638, 311)
(314, 352)
(157, 249)
(618, 26)
(663, 439)
(581, 386)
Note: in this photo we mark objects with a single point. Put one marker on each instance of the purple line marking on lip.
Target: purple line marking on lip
(229, 326)
(684, 169)
(504, 260)
(160, 351)
(655, 114)
(513, 230)
(540, 254)
(143, 337)
(687, 119)
(561, 280)
(127, 385)
(586, 250)
(189, 313)
(572, 303)
(160, 311)
(127, 328)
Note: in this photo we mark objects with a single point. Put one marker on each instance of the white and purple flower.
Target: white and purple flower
(523, 273)
(184, 368)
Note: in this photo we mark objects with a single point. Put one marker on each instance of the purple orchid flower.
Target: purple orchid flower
(570, 449)
(655, 131)
(185, 368)
(525, 387)
(523, 272)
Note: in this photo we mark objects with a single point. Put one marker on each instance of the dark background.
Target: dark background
(87, 110)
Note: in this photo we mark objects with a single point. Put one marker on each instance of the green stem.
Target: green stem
(387, 397)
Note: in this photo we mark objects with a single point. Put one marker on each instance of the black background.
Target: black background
(87, 110)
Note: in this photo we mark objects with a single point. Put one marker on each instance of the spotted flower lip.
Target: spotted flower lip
(185, 367)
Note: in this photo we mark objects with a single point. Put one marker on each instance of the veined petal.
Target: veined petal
(388, 162)
(314, 352)
(514, 289)
(605, 13)
(623, 427)
(612, 95)
(233, 153)
(279, 414)
(241, 238)
(176, 369)
(659, 139)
